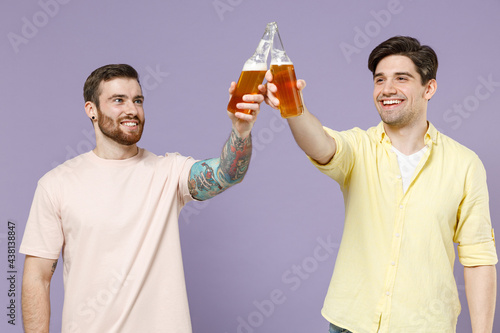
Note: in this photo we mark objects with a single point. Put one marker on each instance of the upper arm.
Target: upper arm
(473, 232)
(38, 269)
(206, 179)
(340, 163)
(329, 150)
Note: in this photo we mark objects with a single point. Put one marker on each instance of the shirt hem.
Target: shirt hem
(323, 313)
(35, 253)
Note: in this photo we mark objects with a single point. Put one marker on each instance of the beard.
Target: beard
(400, 120)
(403, 118)
(111, 128)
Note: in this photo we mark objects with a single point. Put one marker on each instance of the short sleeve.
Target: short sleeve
(184, 165)
(43, 236)
(341, 164)
(474, 234)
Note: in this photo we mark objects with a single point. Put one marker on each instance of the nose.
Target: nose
(131, 108)
(388, 88)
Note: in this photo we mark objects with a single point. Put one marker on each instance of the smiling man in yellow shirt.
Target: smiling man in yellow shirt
(410, 192)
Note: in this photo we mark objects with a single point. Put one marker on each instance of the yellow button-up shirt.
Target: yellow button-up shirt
(394, 269)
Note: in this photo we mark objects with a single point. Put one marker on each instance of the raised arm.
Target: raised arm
(306, 129)
(35, 297)
(212, 176)
(481, 291)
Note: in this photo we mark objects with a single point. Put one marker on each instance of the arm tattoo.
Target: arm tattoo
(54, 265)
(236, 157)
(210, 177)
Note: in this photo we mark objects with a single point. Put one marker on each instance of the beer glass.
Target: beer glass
(253, 71)
(291, 104)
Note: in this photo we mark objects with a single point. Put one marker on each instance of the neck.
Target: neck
(407, 140)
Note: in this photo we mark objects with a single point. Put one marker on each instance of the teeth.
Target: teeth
(129, 124)
(394, 101)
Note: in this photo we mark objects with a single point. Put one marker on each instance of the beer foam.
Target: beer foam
(252, 66)
(281, 62)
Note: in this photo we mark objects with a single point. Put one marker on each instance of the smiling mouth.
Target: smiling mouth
(391, 102)
(129, 124)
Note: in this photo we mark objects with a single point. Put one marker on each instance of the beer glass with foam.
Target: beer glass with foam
(253, 71)
(291, 104)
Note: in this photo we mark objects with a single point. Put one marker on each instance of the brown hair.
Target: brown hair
(91, 88)
(423, 56)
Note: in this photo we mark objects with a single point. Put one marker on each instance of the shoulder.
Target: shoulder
(174, 157)
(356, 138)
(454, 148)
(355, 133)
(171, 161)
(66, 168)
(459, 158)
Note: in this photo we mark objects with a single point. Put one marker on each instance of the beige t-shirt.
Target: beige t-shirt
(116, 222)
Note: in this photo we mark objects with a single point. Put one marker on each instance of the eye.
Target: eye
(118, 100)
(379, 80)
(139, 101)
(402, 78)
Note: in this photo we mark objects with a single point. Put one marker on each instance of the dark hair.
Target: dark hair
(423, 56)
(91, 88)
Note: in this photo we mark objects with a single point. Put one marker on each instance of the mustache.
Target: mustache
(392, 96)
(130, 118)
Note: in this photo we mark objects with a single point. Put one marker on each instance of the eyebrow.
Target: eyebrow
(396, 74)
(125, 96)
(117, 96)
(404, 73)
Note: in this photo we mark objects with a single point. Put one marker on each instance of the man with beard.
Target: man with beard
(410, 192)
(114, 214)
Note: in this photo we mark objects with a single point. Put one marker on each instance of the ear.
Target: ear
(430, 90)
(90, 109)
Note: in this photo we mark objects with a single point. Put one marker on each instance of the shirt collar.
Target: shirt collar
(380, 131)
(430, 135)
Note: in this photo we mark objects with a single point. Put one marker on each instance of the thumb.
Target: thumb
(269, 76)
(301, 84)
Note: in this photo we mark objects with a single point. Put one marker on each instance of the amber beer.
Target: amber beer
(248, 83)
(291, 104)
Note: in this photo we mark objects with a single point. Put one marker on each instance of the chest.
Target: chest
(113, 201)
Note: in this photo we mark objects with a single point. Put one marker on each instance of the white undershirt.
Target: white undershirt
(408, 164)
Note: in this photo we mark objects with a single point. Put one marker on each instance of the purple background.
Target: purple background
(241, 246)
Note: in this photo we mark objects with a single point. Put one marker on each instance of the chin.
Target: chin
(128, 140)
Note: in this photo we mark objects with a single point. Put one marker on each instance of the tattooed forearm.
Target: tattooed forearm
(210, 177)
(235, 157)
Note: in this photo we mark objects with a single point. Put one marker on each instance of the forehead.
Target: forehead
(121, 86)
(396, 64)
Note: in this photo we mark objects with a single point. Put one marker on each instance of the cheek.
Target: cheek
(376, 93)
(140, 113)
(377, 90)
(112, 112)
(110, 115)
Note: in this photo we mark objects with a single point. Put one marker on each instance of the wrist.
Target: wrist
(242, 135)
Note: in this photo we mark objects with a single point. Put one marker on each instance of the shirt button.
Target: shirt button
(401, 206)
(387, 293)
(393, 263)
(398, 176)
(397, 234)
